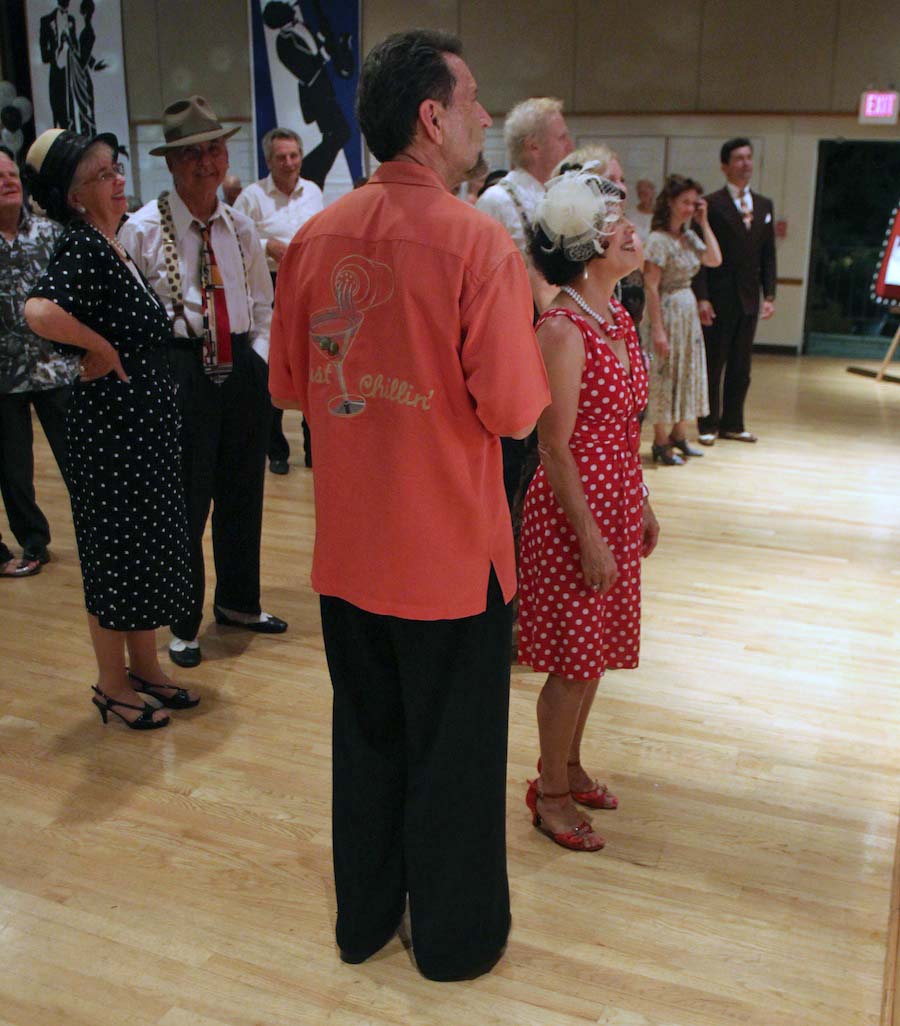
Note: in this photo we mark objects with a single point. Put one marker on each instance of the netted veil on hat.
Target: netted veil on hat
(578, 210)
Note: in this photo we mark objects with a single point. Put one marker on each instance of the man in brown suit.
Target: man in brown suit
(735, 295)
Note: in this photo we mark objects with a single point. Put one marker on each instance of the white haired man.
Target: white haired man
(537, 139)
(205, 263)
(279, 205)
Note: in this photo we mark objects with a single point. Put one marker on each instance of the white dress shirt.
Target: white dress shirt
(736, 193)
(142, 236)
(497, 202)
(277, 215)
(641, 222)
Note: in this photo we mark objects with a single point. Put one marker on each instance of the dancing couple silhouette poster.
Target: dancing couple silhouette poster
(77, 67)
(305, 59)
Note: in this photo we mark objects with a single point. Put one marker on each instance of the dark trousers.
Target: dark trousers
(729, 350)
(26, 520)
(279, 449)
(419, 781)
(225, 432)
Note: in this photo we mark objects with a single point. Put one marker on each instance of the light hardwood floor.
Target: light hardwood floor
(183, 878)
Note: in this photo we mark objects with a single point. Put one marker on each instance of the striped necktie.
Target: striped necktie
(216, 326)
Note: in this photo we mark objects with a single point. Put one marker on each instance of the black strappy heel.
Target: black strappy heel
(179, 699)
(105, 706)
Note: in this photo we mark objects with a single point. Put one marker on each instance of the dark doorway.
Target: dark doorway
(858, 186)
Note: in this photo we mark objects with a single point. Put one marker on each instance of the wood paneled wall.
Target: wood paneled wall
(662, 55)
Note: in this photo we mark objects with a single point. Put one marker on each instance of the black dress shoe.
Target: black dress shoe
(271, 625)
(279, 466)
(186, 657)
(36, 554)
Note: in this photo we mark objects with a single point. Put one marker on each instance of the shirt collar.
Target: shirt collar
(182, 218)
(406, 172)
(269, 186)
(736, 191)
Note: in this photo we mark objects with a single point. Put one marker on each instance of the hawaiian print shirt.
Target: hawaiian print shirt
(28, 363)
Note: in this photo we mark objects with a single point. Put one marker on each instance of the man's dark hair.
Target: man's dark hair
(733, 144)
(396, 77)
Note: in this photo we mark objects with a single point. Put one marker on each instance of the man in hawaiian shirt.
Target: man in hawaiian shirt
(33, 373)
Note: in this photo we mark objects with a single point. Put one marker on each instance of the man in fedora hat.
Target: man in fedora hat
(206, 263)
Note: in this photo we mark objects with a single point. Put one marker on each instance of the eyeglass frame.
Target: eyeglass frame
(106, 175)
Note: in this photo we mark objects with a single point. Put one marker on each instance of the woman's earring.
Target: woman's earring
(79, 209)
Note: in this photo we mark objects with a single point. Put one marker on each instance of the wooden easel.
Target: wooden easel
(879, 375)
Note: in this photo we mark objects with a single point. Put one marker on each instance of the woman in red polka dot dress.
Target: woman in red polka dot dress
(587, 520)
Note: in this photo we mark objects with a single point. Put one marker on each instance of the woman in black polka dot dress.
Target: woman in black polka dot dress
(123, 456)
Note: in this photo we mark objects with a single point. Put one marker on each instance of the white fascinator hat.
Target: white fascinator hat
(579, 209)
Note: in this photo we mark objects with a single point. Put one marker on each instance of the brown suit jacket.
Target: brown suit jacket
(747, 271)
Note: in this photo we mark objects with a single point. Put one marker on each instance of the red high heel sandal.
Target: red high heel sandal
(597, 798)
(582, 838)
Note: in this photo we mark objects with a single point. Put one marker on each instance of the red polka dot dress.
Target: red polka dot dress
(565, 628)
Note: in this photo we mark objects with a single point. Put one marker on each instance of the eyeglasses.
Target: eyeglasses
(194, 154)
(108, 174)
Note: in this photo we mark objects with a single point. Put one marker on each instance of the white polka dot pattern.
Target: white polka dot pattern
(123, 453)
(565, 628)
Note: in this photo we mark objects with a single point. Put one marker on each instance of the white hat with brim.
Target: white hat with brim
(188, 122)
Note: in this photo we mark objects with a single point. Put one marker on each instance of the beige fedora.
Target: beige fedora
(190, 121)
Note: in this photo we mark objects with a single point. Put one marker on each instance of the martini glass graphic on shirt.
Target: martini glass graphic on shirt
(358, 284)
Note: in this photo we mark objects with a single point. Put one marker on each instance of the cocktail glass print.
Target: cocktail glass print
(358, 284)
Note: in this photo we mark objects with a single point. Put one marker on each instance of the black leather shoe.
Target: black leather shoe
(38, 554)
(279, 466)
(186, 657)
(272, 625)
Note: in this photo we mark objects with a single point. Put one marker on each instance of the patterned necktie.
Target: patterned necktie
(746, 211)
(216, 326)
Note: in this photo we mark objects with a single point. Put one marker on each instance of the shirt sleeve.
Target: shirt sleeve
(501, 360)
(656, 250)
(497, 204)
(132, 238)
(244, 204)
(259, 281)
(288, 350)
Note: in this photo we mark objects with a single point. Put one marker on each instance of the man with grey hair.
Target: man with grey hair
(279, 205)
(537, 139)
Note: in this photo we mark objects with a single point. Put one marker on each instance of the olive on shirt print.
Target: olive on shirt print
(357, 284)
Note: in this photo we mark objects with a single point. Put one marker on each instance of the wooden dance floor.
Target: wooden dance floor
(183, 878)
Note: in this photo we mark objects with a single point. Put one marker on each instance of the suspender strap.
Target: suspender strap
(513, 194)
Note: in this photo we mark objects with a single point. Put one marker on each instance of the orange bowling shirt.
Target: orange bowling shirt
(402, 327)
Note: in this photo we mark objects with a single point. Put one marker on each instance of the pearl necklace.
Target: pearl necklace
(614, 331)
(120, 250)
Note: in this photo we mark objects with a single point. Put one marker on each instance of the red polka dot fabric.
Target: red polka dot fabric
(565, 628)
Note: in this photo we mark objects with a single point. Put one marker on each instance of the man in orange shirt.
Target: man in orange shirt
(402, 329)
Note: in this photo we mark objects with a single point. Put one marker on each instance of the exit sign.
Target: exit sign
(879, 108)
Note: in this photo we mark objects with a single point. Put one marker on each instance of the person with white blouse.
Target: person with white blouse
(205, 262)
(279, 205)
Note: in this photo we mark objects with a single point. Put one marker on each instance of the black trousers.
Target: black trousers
(26, 520)
(419, 781)
(279, 449)
(224, 437)
(729, 351)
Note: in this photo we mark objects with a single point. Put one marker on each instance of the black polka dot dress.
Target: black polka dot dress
(123, 455)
